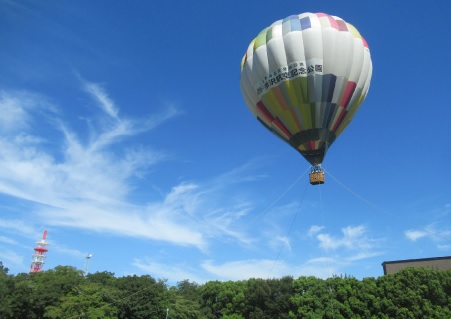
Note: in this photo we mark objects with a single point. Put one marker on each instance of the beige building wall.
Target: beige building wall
(438, 263)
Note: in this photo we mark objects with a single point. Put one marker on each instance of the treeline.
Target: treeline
(63, 292)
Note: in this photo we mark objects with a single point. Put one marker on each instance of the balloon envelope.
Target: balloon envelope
(304, 78)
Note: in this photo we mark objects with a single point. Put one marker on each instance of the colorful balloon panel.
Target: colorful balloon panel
(304, 78)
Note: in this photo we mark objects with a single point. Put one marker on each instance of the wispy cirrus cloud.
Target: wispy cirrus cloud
(104, 101)
(176, 272)
(415, 234)
(244, 269)
(10, 257)
(314, 229)
(269, 268)
(237, 269)
(8, 240)
(353, 245)
(86, 184)
(15, 110)
(435, 232)
(280, 242)
(19, 227)
(31, 171)
(61, 249)
(353, 238)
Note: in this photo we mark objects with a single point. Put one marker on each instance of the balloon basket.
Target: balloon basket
(317, 177)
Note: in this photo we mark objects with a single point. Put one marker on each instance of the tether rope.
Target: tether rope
(266, 209)
(327, 251)
(404, 221)
(289, 230)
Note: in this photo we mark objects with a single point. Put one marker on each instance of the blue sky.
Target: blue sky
(124, 134)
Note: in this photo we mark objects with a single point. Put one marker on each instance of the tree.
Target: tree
(182, 308)
(140, 297)
(50, 285)
(189, 290)
(184, 301)
(223, 299)
(22, 303)
(6, 286)
(257, 294)
(210, 304)
(416, 293)
(231, 297)
(104, 278)
(64, 292)
(91, 300)
(310, 298)
(279, 305)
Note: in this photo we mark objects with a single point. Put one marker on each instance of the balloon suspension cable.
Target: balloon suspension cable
(328, 257)
(316, 175)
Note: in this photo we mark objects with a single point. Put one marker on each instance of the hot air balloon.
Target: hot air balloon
(304, 78)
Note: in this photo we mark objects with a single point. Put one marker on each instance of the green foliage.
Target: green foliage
(104, 278)
(411, 293)
(6, 287)
(184, 301)
(32, 293)
(64, 292)
(209, 299)
(181, 308)
(140, 297)
(90, 300)
(267, 299)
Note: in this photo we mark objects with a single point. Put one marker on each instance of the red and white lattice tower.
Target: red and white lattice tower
(39, 254)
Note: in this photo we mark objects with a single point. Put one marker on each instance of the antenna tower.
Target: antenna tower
(88, 257)
(38, 258)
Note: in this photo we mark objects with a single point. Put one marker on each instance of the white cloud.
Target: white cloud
(267, 268)
(8, 240)
(19, 227)
(353, 238)
(354, 245)
(102, 98)
(87, 184)
(280, 242)
(13, 116)
(224, 223)
(363, 255)
(17, 108)
(176, 273)
(432, 231)
(57, 248)
(11, 257)
(414, 235)
(321, 267)
(244, 269)
(156, 221)
(313, 230)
